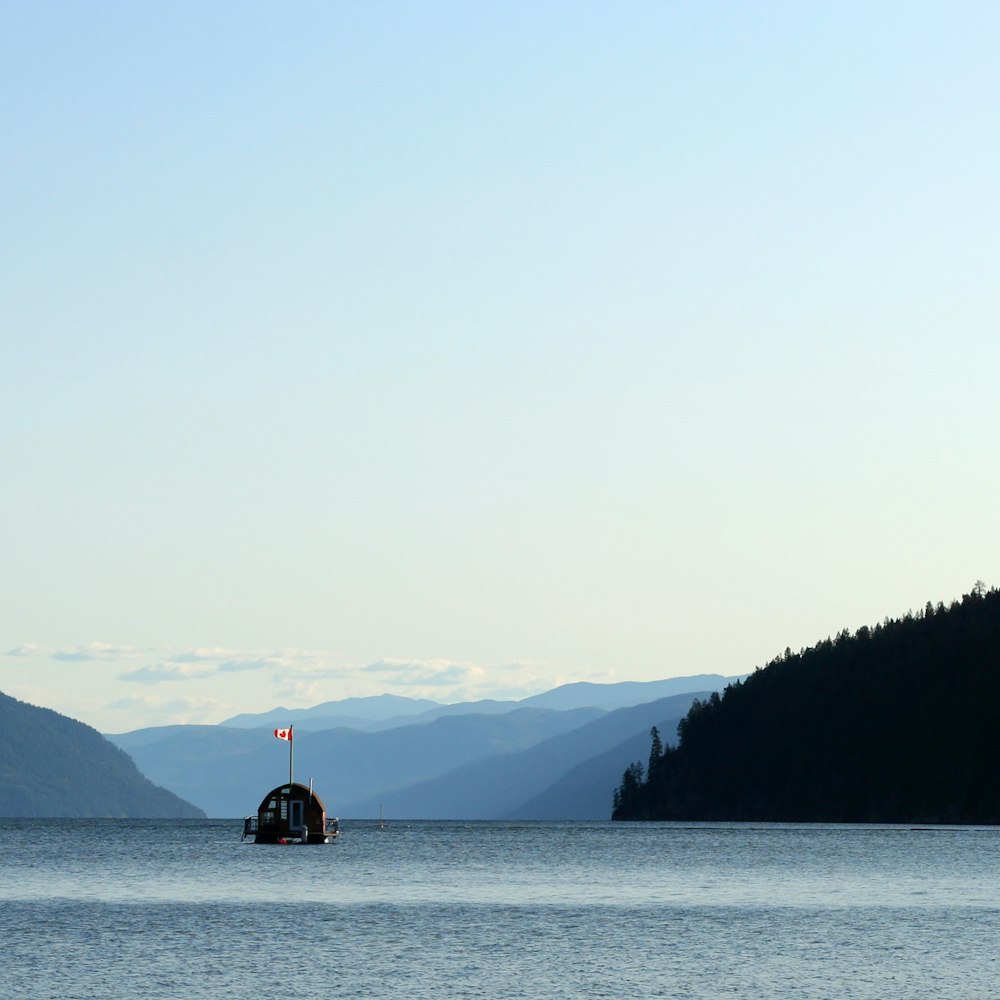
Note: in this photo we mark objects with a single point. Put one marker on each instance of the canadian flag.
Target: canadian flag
(284, 734)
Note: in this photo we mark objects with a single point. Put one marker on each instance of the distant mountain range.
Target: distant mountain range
(387, 711)
(896, 723)
(525, 784)
(53, 766)
(418, 759)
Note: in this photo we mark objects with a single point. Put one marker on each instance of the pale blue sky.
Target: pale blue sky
(464, 349)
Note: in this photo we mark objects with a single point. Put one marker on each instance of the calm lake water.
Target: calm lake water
(101, 910)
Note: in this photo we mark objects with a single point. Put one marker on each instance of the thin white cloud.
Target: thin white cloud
(299, 691)
(221, 658)
(205, 663)
(91, 651)
(306, 677)
(239, 666)
(420, 673)
(449, 681)
(204, 654)
(154, 673)
(295, 676)
(28, 649)
(308, 664)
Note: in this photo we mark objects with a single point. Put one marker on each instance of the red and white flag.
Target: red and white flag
(284, 734)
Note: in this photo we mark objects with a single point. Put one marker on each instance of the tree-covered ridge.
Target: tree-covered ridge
(896, 723)
(54, 766)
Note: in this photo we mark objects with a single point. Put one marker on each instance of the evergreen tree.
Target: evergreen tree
(655, 751)
(626, 797)
(896, 723)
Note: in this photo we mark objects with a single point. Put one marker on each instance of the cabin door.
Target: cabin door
(297, 814)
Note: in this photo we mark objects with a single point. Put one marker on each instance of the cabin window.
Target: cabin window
(284, 809)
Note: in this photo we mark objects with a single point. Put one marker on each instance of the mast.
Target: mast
(291, 744)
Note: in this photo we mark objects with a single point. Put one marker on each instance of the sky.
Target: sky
(463, 350)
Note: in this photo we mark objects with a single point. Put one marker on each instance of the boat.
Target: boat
(291, 813)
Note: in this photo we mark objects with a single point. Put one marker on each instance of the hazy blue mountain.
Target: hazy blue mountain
(227, 770)
(485, 706)
(561, 699)
(360, 753)
(500, 785)
(586, 791)
(624, 693)
(378, 707)
(388, 711)
(312, 722)
(155, 734)
(54, 766)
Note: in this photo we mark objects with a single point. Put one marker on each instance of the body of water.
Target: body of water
(102, 910)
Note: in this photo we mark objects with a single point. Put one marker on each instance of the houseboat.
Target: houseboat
(291, 813)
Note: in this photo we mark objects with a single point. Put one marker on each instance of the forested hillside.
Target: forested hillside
(53, 766)
(896, 723)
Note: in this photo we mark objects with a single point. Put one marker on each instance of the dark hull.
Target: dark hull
(327, 837)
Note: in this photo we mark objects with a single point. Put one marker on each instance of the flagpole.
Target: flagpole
(291, 744)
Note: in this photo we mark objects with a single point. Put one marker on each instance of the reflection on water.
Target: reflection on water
(115, 910)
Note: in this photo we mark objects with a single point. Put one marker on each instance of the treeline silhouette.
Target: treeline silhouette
(899, 723)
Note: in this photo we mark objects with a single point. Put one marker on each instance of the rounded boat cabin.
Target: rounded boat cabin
(291, 814)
